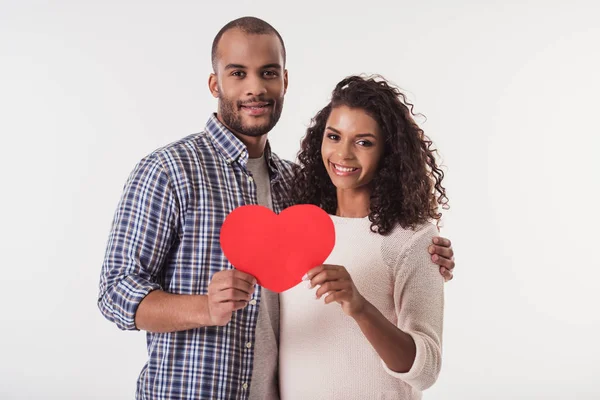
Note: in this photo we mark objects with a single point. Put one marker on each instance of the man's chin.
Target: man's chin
(255, 132)
(256, 129)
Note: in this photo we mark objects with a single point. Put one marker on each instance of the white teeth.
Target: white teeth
(344, 169)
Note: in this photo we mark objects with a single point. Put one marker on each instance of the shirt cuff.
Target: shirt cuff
(124, 298)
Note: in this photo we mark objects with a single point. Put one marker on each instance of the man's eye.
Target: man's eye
(238, 73)
(270, 74)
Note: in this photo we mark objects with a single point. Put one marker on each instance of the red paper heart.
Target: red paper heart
(277, 249)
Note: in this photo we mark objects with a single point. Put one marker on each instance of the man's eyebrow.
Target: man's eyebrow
(235, 66)
(274, 65)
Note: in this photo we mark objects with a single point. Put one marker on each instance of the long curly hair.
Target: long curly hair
(407, 187)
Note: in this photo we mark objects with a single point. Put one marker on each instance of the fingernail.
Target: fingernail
(436, 240)
(435, 257)
(305, 277)
(316, 290)
(430, 248)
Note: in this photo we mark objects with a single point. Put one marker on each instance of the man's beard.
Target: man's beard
(232, 117)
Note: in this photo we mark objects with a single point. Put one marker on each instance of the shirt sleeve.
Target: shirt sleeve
(143, 230)
(419, 303)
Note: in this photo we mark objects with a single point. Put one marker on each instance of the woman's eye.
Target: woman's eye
(365, 143)
(332, 136)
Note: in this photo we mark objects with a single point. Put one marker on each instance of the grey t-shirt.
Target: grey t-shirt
(264, 384)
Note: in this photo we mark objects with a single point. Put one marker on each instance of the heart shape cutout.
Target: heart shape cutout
(277, 249)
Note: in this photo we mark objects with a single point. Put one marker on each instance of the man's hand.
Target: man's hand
(443, 255)
(228, 291)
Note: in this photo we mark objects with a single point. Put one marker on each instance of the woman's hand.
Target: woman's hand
(337, 286)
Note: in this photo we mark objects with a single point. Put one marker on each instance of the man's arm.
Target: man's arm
(228, 291)
(166, 312)
(443, 255)
(143, 230)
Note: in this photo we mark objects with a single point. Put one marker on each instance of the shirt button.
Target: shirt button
(252, 302)
(251, 179)
(245, 386)
(248, 345)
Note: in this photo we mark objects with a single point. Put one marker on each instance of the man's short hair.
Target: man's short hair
(249, 25)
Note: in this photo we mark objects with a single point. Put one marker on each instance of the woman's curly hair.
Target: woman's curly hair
(407, 188)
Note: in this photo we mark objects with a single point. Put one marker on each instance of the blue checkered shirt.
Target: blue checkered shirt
(165, 235)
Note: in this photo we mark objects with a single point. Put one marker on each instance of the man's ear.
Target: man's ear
(285, 81)
(213, 85)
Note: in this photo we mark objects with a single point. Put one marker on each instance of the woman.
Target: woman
(366, 162)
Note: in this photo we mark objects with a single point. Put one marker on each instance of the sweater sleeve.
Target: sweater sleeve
(419, 306)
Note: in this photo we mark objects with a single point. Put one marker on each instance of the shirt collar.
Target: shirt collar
(228, 145)
(233, 149)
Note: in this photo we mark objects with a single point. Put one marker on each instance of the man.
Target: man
(212, 332)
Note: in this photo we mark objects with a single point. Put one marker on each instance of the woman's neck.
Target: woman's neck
(353, 203)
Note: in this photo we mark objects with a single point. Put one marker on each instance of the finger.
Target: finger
(230, 276)
(231, 306)
(237, 305)
(231, 295)
(443, 262)
(331, 287)
(441, 251)
(237, 274)
(235, 283)
(338, 296)
(328, 275)
(245, 277)
(314, 271)
(317, 270)
(441, 241)
(448, 275)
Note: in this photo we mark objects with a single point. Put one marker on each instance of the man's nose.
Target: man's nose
(256, 86)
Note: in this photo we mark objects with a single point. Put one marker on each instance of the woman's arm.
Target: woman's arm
(395, 347)
(410, 350)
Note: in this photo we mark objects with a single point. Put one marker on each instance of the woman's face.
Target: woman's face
(352, 147)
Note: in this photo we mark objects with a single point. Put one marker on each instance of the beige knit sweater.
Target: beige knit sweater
(324, 355)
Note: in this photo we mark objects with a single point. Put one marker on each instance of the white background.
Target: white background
(511, 96)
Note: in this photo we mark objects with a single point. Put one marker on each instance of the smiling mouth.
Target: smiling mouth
(256, 105)
(256, 109)
(343, 170)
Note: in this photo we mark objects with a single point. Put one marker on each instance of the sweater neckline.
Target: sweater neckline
(349, 219)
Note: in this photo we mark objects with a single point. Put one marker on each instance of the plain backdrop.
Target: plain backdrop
(510, 92)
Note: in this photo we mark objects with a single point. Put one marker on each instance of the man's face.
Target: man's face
(250, 82)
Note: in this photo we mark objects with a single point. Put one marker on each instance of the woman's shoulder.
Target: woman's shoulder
(401, 240)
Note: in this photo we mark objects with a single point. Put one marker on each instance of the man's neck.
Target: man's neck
(254, 144)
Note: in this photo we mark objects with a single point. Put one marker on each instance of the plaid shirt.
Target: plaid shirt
(165, 235)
